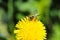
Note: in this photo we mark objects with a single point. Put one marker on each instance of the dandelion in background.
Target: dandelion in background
(30, 28)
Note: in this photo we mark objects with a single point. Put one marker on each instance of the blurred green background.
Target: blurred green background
(11, 11)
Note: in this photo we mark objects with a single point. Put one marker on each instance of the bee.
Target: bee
(33, 17)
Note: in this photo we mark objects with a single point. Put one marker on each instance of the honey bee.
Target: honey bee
(33, 17)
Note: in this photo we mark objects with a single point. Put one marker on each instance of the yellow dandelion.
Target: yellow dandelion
(30, 30)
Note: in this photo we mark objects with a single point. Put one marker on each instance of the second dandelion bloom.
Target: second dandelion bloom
(30, 30)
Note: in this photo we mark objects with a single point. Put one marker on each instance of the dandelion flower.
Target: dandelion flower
(30, 30)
